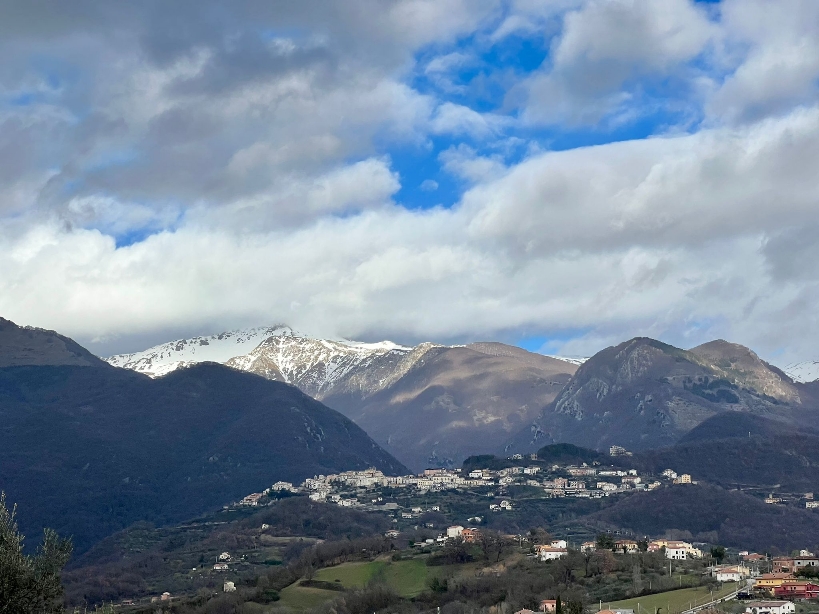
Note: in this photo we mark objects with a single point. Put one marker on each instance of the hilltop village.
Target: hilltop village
(359, 488)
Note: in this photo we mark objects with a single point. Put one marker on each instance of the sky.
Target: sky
(559, 174)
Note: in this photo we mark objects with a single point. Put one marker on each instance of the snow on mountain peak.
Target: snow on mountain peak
(293, 352)
(575, 360)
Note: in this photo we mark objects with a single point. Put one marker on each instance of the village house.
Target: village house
(229, 587)
(675, 550)
(683, 479)
(547, 553)
(220, 567)
(769, 581)
(627, 546)
(730, 574)
(797, 590)
(789, 564)
(588, 547)
(770, 607)
(454, 531)
(470, 535)
(548, 605)
(559, 543)
(252, 500)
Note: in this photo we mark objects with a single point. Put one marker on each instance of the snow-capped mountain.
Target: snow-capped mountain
(429, 404)
(162, 359)
(278, 353)
(806, 371)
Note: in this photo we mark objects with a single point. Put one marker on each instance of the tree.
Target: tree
(605, 542)
(493, 545)
(575, 607)
(643, 545)
(558, 606)
(718, 552)
(30, 583)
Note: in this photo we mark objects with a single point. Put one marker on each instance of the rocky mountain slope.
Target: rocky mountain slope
(88, 449)
(427, 405)
(22, 346)
(644, 394)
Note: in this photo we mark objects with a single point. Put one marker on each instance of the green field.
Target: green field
(303, 598)
(676, 601)
(408, 578)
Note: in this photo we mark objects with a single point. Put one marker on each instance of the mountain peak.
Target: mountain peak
(24, 346)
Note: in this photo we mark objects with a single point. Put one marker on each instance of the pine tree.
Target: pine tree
(30, 583)
(558, 606)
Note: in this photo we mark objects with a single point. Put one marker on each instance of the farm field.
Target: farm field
(670, 602)
(298, 597)
(407, 578)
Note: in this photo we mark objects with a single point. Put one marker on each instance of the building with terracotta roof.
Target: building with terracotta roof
(797, 590)
(769, 581)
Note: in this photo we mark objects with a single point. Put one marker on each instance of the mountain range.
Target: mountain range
(433, 405)
(88, 449)
(644, 394)
(428, 405)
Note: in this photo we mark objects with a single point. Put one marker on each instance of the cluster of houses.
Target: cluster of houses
(810, 502)
(782, 581)
(572, 481)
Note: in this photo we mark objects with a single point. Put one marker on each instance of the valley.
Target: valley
(194, 475)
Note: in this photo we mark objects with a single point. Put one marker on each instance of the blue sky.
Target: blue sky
(562, 174)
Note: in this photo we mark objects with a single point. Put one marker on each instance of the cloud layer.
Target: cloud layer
(578, 173)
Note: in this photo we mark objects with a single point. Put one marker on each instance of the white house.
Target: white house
(729, 574)
(454, 531)
(547, 553)
(559, 543)
(770, 607)
(225, 556)
(588, 547)
(230, 587)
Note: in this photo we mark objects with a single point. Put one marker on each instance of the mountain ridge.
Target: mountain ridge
(644, 394)
(89, 448)
(429, 404)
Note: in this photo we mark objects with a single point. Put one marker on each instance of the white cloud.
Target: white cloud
(665, 237)
(603, 45)
(458, 120)
(263, 170)
(464, 162)
(778, 59)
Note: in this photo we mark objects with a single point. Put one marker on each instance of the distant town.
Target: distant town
(584, 481)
